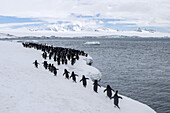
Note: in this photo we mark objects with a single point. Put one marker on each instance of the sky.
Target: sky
(114, 14)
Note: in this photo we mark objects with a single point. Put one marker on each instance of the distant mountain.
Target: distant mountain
(150, 30)
(76, 30)
(4, 35)
(142, 30)
(138, 29)
(68, 27)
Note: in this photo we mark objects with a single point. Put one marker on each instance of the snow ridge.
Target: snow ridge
(25, 89)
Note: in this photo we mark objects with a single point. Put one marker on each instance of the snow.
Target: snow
(65, 27)
(138, 29)
(89, 60)
(92, 43)
(3, 35)
(26, 89)
(77, 31)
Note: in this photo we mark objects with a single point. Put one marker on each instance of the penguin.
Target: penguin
(36, 63)
(50, 55)
(49, 66)
(55, 71)
(45, 64)
(44, 55)
(109, 91)
(66, 73)
(77, 56)
(58, 60)
(65, 61)
(95, 87)
(116, 99)
(73, 60)
(55, 57)
(84, 81)
(62, 61)
(73, 75)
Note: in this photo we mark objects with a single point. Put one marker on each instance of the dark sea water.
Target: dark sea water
(138, 68)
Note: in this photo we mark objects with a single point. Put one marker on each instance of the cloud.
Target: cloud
(7, 25)
(142, 13)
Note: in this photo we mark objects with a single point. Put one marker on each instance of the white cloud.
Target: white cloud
(145, 12)
(138, 23)
(18, 24)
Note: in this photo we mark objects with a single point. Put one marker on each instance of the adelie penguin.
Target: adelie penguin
(116, 99)
(44, 55)
(73, 75)
(95, 85)
(55, 57)
(50, 55)
(36, 63)
(55, 71)
(109, 91)
(45, 64)
(58, 60)
(73, 60)
(66, 73)
(84, 81)
(62, 60)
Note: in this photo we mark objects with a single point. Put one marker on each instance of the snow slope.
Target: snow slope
(26, 89)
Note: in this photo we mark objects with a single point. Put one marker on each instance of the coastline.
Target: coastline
(16, 66)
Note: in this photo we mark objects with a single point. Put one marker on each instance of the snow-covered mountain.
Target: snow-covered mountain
(150, 30)
(138, 29)
(4, 35)
(77, 30)
(145, 30)
(69, 27)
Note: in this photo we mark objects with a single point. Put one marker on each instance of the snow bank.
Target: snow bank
(89, 60)
(26, 89)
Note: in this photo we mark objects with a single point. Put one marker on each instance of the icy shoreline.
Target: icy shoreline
(25, 89)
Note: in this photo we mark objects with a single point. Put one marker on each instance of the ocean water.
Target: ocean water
(138, 68)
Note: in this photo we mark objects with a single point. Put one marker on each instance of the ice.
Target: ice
(92, 43)
(26, 89)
